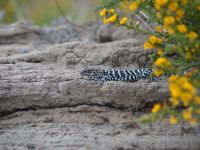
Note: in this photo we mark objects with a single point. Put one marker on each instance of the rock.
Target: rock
(23, 37)
(104, 33)
(31, 86)
(108, 33)
(90, 127)
(26, 33)
(127, 53)
(46, 104)
(21, 33)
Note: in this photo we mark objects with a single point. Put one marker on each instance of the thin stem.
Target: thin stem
(62, 13)
(144, 23)
(140, 30)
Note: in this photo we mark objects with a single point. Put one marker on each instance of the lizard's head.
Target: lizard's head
(147, 72)
(92, 73)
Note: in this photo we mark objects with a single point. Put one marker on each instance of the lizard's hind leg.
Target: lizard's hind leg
(153, 79)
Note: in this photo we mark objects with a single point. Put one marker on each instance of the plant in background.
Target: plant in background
(174, 39)
(7, 11)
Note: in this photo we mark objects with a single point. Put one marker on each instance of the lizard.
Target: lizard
(129, 75)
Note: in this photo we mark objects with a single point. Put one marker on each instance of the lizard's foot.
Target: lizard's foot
(153, 79)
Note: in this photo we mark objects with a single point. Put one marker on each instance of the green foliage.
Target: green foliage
(9, 10)
(175, 45)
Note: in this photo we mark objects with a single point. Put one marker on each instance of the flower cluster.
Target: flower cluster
(182, 42)
(152, 42)
(178, 24)
(183, 93)
(185, 51)
(161, 63)
(174, 44)
(181, 89)
(109, 15)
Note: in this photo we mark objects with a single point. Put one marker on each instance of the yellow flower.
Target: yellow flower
(198, 7)
(173, 78)
(156, 108)
(185, 97)
(158, 72)
(168, 20)
(179, 14)
(170, 30)
(158, 29)
(188, 87)
(160, 52)
(183, 80)
(175, 90)
(159, 40)
(112, 11)
(160, 61)
(187, 114)
(181, 88)
(182, 28)
(184, 2)
(160, 3)
(133, 6)
(197, 99)
(137, 23)
(174, 101)
(105, 21)
(102, 13)
(148, 45)
(173, 6)
(112, 19)
(123, 21)
(153, 39)
(192, 35)
(173, 120)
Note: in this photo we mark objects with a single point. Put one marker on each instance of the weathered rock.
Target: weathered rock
(127, 53)
(104, 33)
(90, 127)
(26, 33)
(77, 114)
(23, 37)
(21, 33)
(46, 104)
(32, 86)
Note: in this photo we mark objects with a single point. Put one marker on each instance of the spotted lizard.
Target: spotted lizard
(129, 75)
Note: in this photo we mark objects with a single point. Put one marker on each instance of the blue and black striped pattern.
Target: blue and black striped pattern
(117, 75)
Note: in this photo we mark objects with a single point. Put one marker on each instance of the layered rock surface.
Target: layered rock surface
(46, 104)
